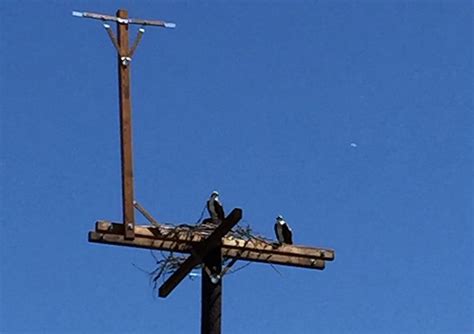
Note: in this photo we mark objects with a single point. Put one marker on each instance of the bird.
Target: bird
(214, 206)
(283, 232)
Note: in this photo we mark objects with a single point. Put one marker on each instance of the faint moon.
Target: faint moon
(353, 145)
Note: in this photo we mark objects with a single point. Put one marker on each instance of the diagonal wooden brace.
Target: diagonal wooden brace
(200, 252)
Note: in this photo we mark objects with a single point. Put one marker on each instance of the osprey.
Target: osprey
(283, 231)
(214, 206)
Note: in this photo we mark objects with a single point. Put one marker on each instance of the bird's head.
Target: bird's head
(214, 194)
(279, 218)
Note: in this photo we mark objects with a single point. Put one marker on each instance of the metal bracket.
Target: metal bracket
(215, 278)
(122, 21)
(125, 59)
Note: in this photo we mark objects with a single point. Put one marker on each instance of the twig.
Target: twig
(141, 269)
(274, 268)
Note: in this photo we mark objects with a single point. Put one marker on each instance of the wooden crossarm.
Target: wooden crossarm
(200, 252)
(180, 239)
(244, 253)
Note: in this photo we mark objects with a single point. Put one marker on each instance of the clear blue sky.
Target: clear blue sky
(262, 102)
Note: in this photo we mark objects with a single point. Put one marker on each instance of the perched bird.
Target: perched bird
(214, 206)
(283, 231)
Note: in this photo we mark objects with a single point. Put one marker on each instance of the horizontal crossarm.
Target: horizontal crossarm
(163, 238)
(105, 17)
(248, 253)
(151, 237)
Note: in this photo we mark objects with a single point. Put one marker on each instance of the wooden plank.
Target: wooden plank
(119, 240)
(125, 128)
(169, 234)
(146, 214)
(180, 246)
(285, 260)
(289, 250)
(201, 251)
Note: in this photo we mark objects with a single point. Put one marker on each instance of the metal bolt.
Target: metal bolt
(125, 60)
(129, 226)
(215, 279)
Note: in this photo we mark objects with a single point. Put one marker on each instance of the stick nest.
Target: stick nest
(168, 262)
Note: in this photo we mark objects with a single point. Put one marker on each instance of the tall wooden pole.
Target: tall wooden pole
(209, 251)
(125, 127)
(211, 294)
(124, 59)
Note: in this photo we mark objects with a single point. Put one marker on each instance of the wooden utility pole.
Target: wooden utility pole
(211, 293)
(124, 58)
(125, 126)
(207, 251)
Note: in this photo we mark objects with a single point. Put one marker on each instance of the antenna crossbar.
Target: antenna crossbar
(104, 17)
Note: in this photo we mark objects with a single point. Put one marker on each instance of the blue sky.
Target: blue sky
(262, 102)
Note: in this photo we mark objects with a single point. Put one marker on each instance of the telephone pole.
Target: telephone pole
(125, 106)
(124, 58)
(207, 251)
